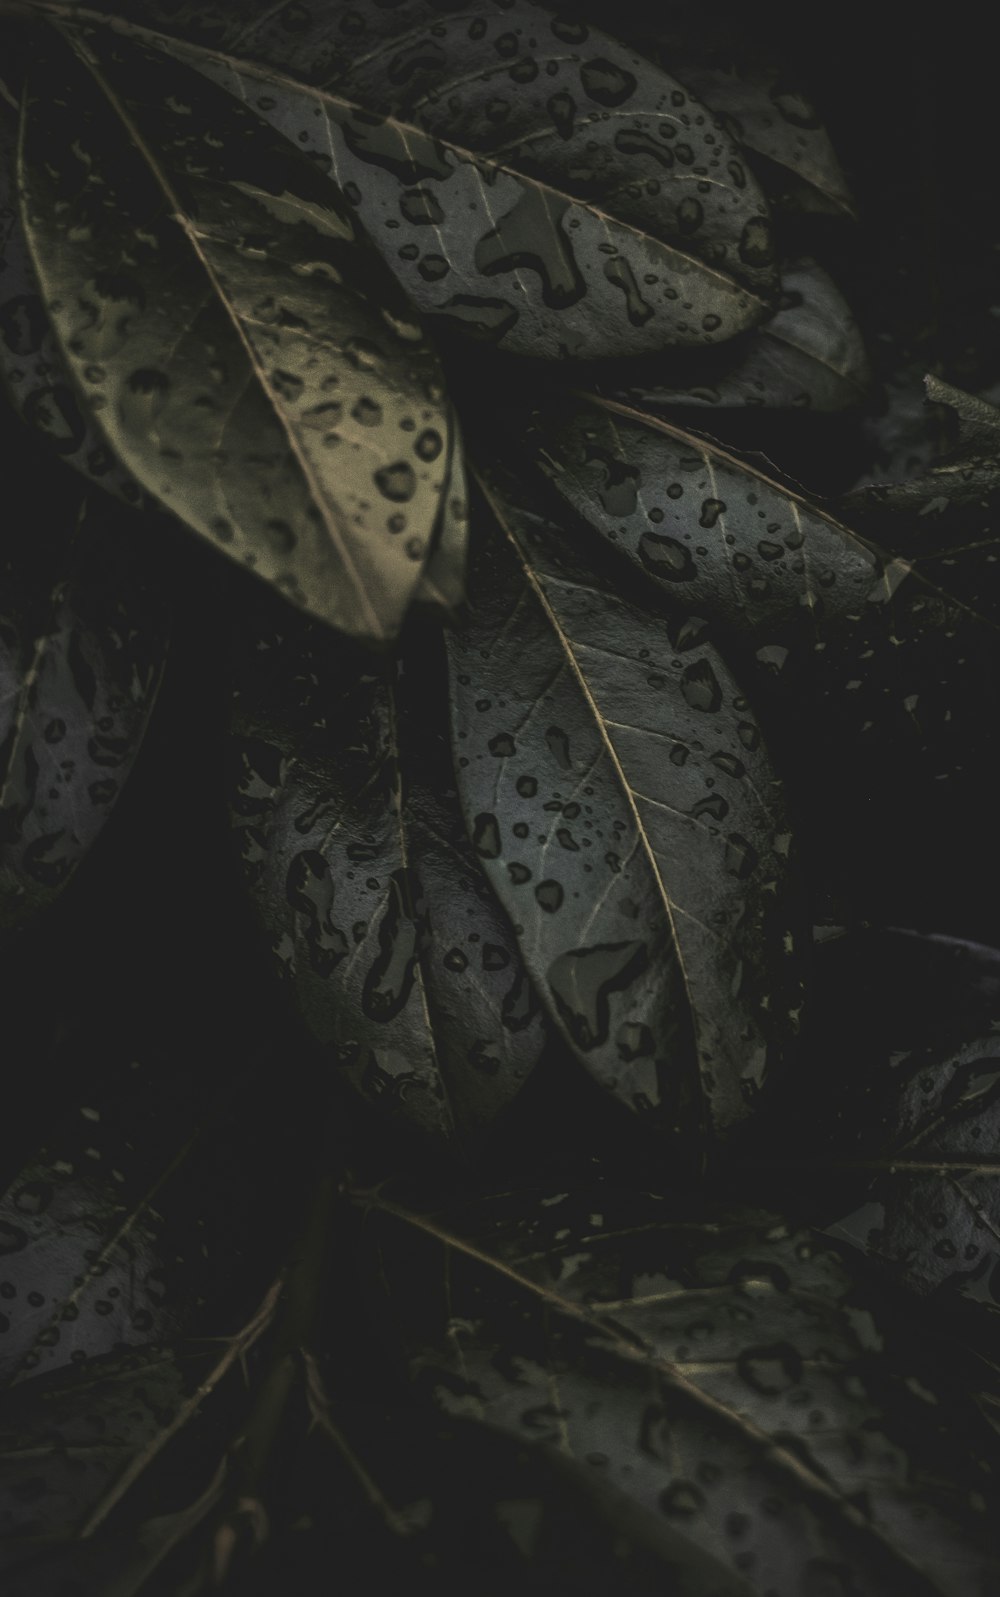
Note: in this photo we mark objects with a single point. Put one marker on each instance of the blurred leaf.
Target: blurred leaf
(724, 1375)
(514, 203)
(637, 838)
(32, 369)
(210, 292)
(83, 639)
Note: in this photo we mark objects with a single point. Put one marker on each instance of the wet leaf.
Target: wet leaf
(83, 640)
(241, 349)
(820, 618)
(944, 520)
(928, 1200)
(32, 370)
(775, 121)
(138, 1218)
(809, 355)
(380, 918)
(618, 792)
(530, 182)
(407, 1492)
(725, 1376)
(442, 585)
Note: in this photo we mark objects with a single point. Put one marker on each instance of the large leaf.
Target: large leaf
(83, 638)
(818, 614)
(401, 963)
(620, 797)
(244, 354)
(396, 1495)
(724, 1375)
(809, 355)
(32, 369)
(529, 181)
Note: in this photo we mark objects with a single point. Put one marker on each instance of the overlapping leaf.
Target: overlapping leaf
(624, 807)
(722, 1375)
(83, 639)
(810, 355)
(243, 354)
(817, 614)
(401, 963)
(529, 181)
(32, 369)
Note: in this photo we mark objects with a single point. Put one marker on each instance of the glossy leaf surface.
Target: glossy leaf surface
(810, 356)
(530, 181)
(244, 355)
(379, 916)
(722, 1375)
(619, 795)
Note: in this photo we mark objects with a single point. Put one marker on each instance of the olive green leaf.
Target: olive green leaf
(242, 351)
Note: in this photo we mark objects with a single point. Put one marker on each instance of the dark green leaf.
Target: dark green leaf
(32, 369)
(708, 530)
(929, 1205)
(211, 295)
(810, 355)
(529, 181)
(619, 795)
(402, 965)
(723, 1375)
(139, 1218)
(83, 638)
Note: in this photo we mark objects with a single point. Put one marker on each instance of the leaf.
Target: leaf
(943, 521)
(966, 473)
(776, 122)
(738, 63)
(83, 639)
(32, 369)
(140, 1217)
(928, 1210)
(213, 299)
(809, 355)
(723, 1375)
(403, 1493)
(817, 615)
(704, 527)
(591, 208)
(90, 1437)
(637, 838)
(380, 920)
(442, 585)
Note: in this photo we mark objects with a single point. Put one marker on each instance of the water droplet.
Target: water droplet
(605, 82)
(700, 687)
(711, 510)
(367, 411)
(486, 836)
(666, 558)
(549, 896)
(396, 482)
